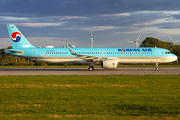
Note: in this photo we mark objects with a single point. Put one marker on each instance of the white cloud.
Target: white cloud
(9, 18)
(93, 28)
(99, 28)
(156, 12)
(71, 17)
(150, 30)
(115, 15)
(40, 24)
(53, 41)
(166, 20)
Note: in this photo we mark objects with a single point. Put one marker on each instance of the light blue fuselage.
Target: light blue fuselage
(129, 55)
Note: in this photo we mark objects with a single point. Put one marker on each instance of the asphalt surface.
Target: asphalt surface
(84, 71)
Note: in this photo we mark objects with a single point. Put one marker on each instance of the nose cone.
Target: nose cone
(174, 58)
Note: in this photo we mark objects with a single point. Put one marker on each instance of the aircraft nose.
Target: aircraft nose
(175, 58)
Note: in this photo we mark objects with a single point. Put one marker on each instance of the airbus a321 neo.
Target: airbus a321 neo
(106, 57)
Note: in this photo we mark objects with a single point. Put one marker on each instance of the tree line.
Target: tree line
(153, 42)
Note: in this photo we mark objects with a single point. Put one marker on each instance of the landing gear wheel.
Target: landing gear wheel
(91, 68)
(157, 68)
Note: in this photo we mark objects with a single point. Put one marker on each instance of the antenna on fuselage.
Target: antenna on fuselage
(136, 42)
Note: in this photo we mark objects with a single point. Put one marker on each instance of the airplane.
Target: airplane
(106, 57)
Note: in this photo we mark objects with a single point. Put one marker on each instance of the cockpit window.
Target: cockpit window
(167, 52)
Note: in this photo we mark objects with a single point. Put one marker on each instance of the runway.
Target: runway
(84, 71)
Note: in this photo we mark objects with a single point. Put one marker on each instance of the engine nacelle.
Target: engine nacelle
(109, 63)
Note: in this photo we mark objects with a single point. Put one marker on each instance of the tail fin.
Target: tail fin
(17, 38)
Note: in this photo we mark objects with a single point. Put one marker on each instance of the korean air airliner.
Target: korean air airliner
(106, 57)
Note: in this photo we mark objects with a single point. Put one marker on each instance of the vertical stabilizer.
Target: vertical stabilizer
(17, 38)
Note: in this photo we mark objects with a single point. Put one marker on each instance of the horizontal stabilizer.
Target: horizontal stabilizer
(14, 51)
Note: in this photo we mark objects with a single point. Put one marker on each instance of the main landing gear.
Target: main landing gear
(157, 68)
(91, 68)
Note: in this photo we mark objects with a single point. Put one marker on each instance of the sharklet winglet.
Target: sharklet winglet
(70, 50)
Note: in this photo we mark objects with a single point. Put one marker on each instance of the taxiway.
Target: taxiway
(84, 71)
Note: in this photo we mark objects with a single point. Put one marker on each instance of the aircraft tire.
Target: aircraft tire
(157, 68)
(91, 68)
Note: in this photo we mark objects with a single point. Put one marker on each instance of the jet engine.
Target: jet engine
(109, 63)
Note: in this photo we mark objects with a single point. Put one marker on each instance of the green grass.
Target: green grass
(90, 97)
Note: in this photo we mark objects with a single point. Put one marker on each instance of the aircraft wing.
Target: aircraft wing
(84, 57)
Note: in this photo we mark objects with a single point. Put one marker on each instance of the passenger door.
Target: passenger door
(158, 53)
(34, 52)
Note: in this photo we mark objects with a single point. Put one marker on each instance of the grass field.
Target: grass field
(90, 97)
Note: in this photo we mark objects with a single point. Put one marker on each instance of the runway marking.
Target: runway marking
(84, 71)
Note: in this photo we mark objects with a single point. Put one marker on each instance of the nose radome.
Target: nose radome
(174, 57)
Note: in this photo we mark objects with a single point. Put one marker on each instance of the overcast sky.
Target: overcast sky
(113, 22)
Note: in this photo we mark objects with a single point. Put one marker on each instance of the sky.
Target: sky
(113, 22)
